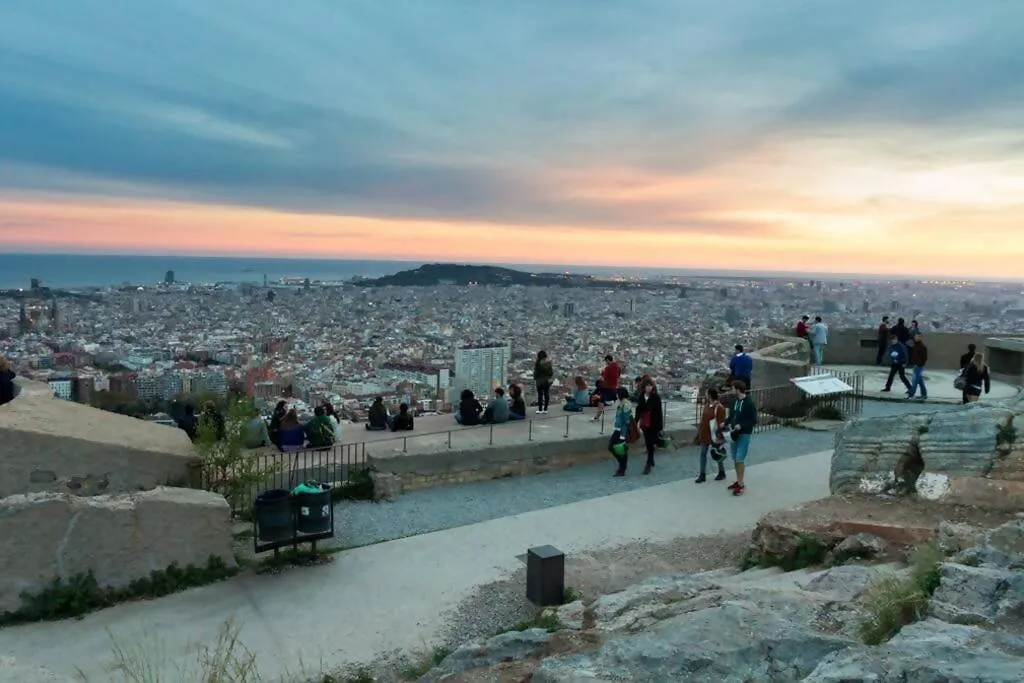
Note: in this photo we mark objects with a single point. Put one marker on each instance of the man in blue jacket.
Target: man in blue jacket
(741, 367)
(898, 358)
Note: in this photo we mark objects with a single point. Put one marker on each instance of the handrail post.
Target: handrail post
(602, 423)
(530, 422)
(566, 426)
(449, 439)
(405, 444)
(490, 437)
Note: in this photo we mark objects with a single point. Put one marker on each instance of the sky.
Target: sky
(869, 136)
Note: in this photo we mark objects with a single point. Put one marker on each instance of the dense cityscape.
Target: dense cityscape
(160, 343)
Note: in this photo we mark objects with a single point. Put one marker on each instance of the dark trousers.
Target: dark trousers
(900, 370)
(623, 460)
(543, 396)
(650, 443)
(882, 346)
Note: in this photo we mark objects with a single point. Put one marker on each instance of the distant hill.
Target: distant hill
(433, 274)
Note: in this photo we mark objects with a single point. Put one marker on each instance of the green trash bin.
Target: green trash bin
(274, 516)
(312, 504)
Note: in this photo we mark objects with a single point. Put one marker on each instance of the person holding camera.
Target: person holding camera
(742, 421)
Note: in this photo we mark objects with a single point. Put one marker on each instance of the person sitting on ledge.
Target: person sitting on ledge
(6, 382)
(469, 410)
(497, 411)
(319, 430)
(403, 421)
(292, 436)
(377, 419)
(517, 406)
(580, 398)
(255, 434)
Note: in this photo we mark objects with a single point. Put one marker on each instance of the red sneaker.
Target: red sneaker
(738, 491)
(732, 486)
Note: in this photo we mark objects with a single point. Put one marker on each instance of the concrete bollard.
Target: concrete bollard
(545, 575)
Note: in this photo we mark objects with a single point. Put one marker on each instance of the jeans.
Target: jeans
(819, 354)
(623, 459)
(918, 382)
(543, 396)
(740, 447)
(572, 406)
(897, 369)
(704, 448)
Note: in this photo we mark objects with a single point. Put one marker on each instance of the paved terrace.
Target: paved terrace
(939, 383)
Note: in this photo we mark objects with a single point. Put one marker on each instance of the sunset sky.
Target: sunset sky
(871, 136)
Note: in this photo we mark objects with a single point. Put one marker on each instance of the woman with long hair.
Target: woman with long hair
(543, 374)
(617, 444)
(292, 434)
(976, 378)
(649, 419)
(580, 398)
(711, 435)
(517, 406)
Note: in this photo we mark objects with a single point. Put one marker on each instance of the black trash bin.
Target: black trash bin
(313, 511)
(275, 518)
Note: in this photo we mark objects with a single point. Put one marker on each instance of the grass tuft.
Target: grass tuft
(893, 601)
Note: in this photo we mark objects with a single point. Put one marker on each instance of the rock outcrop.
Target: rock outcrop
(771, 626)
(118, 537)
(970, 455)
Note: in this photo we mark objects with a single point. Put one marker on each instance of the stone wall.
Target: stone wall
(970, 455)
(419, 471)
(858, 347)
(84, 490)
(49, 444)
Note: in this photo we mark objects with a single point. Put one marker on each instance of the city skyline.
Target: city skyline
(867, 138)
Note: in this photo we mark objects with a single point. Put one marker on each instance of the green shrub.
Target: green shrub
(359, 487)
(570, 595)
(82, 593)
(808, 551)
(434, 658)
(893, 601)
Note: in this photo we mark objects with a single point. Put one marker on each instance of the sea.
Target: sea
(70, 271)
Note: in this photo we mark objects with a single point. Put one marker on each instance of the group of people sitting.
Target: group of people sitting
(500, 409)
(379, 419)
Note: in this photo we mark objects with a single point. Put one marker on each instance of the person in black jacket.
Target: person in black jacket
(649, 419)
(977, 379)
(469, 409)
(403, 422)
(742, 422)
(6, 382)
(969, 356)
(188, 422)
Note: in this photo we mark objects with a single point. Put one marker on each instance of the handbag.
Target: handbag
(960, 383)
(717, 452)
(634, 432)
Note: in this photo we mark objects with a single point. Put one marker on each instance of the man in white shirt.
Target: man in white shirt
(819, 337)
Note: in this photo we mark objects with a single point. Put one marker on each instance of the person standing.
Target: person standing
(883, 339)
(900, 331)
(649, 419)
(711, 434)
(801, 327)
(617, 444)
(7, 382)
(898, 359)
(918, 359)
(977, 378)
(741, 366)
(965, 360)
(742, 421)
(819, 335)
(543, 374)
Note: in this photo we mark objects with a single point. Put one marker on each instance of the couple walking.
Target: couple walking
(739, 421)
(648, 423)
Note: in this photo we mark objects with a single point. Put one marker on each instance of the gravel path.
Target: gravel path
(419, 512)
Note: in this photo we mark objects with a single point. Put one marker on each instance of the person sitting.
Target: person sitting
(255, 434)
(212, 421)
(497, 411)
(469, 410)
(292, 434)
(580, 397)
(517, 406)
(377, 419)
(403, 421)
(320, 430)
(280, 410)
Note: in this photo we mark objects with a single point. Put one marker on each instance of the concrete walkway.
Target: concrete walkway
(939, 383)
(394, 595)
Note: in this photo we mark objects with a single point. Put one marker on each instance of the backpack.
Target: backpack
(325, 434)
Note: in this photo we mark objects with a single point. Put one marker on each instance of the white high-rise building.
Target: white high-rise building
(482, 368)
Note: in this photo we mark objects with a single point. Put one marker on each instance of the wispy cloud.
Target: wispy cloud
(666, 118)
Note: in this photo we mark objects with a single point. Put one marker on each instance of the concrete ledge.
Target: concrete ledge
(48, 444)
(426, 470)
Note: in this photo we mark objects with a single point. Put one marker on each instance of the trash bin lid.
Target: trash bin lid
(307, 487)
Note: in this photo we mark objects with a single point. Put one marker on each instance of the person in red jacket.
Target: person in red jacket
(801, 327)
(609, 384)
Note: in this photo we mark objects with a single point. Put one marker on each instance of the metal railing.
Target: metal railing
(784, 405)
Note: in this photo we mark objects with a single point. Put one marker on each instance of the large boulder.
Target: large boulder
(119, 538)
(952, 456)
(985, 596)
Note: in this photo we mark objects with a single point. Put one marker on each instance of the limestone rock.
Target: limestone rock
(954, 538)
(733, 641)
(482, 653)
(860, 545)
(572, 616)
(848, 581)
(980, 595)
(928, 651)
(119, 537)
